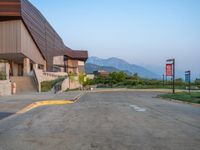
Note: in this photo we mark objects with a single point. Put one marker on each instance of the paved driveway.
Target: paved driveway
(105, 121)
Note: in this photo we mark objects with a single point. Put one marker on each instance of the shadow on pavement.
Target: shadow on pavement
(5, 114)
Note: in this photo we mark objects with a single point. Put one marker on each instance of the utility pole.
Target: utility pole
(173, 72)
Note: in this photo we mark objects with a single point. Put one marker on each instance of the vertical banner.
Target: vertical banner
(169, 70)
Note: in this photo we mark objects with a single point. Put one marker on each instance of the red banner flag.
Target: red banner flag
(169, 70)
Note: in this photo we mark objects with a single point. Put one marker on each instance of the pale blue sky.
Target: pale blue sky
(143, 32)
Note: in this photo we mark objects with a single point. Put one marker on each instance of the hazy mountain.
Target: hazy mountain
(122, 65)
(90, 68)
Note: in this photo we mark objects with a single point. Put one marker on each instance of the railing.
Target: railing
(40, 76)
(55, 74)
(37, 80)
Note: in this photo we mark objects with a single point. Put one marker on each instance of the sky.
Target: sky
(142, 32)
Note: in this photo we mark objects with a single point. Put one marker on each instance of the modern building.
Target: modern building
(28, 42)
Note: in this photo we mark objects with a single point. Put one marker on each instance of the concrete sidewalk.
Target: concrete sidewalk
(14, 103)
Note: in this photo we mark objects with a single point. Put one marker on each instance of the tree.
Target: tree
(118, 76)
(179, 81)
(135, 76)
(81, 78)
(71, 76)
(197, 81)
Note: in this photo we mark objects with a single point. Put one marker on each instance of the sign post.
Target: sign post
(163, 80)
(188, 79)
(170, 71)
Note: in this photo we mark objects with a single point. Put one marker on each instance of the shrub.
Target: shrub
(48, 85)
(118, 76)
(197, 82)
(81, 78)
(90, 82)
(2, 76)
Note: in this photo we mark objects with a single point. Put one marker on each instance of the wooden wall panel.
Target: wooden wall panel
(10, 37)
(10, 8)
(58, 60)
(28, 47)
(72, 63)
(35, 24)
(42, 32)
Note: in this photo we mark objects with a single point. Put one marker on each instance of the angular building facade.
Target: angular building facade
(28, 41)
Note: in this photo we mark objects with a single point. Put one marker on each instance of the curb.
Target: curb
(79, 96)
(44, 103)
(50, 102)
(128, 90)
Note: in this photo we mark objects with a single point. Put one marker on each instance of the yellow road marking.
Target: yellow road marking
(50, 102)
(44, 103)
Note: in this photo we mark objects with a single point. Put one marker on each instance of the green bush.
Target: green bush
(131, 82)
(179, 82)
(48, 85)
(184, 96)
(2, 76)
(120, 79)
(118, 76)
(197, 83)
(81, 78)
(90, 82)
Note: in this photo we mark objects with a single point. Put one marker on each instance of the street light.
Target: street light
(173, 64)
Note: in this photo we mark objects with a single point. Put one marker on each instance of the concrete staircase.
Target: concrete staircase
(24, 84)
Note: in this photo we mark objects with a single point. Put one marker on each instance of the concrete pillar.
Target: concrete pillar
(45, 66)
(35, 66)
(7, 70)
(26, 69)
(77, 71)
(14, 68)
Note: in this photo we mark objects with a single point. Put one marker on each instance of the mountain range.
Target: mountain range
(116, 64)
(90, 68)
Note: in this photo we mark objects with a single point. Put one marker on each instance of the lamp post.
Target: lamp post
(173, 72)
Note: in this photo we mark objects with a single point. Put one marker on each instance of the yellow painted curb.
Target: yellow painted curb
(44, 103)
(50, 102)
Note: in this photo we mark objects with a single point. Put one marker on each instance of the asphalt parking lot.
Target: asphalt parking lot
(12, 104)
(105, 121)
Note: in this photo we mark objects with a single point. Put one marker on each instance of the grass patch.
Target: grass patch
(155, 87)
(48, 85)
(193, 97)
